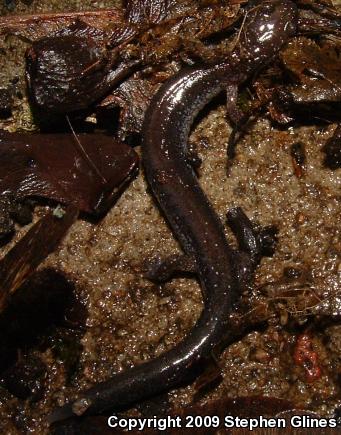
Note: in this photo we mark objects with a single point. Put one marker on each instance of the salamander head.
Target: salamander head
(267, 27)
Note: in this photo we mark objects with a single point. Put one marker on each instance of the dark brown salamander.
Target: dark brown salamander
(173, 181)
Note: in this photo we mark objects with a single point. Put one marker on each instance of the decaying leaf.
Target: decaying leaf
(133, 97)
(88, 172)
(147, 12)
(73, 68)
(310, 80)
(316, 68)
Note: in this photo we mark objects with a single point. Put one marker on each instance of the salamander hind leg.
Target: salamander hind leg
(254, 242)
(164, 269)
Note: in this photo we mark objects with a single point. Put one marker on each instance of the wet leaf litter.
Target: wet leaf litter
(131, 319)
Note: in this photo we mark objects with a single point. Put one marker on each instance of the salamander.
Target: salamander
(268, 25)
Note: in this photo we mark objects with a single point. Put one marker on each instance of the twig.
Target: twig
(85, 154)
(13, 23)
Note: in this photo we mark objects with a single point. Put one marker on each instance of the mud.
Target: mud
(131, 319)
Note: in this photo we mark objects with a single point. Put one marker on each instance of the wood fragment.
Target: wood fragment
(13, 24)
(23, 259)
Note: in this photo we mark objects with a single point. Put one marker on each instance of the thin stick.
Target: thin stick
(85, 154)
(15, 22)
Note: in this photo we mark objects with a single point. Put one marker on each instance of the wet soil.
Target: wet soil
(130, 320)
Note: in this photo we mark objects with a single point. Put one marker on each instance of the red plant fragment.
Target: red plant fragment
(88, 172)
(305, 356)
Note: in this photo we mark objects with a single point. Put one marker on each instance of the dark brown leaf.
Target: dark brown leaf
(89, 176)
(71, 69)
(317, 69)
(133, 97)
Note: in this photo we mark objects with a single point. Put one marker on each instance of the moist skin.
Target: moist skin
(192, 219)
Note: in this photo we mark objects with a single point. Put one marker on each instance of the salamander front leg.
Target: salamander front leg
(238, 118)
